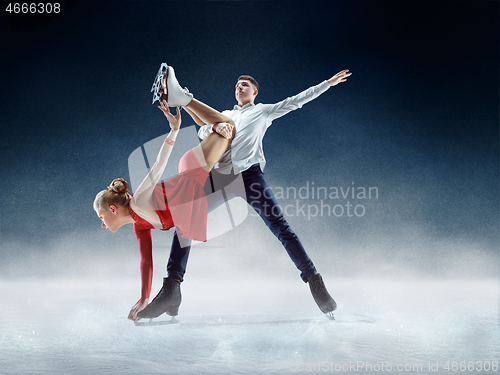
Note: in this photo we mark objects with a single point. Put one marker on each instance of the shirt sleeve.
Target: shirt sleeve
(295, 102)
(146, 251)
(144, 193)
(205, 131)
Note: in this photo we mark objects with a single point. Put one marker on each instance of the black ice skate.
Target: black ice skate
(166, 301)
(321, 296)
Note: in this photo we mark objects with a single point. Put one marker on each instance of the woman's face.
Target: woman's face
(109, 218)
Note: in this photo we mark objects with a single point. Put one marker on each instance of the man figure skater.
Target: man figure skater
(245, 155)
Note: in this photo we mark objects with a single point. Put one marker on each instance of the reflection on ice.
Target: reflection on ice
(80, 327)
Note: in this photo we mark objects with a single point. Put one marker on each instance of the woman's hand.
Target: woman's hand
(339, 77)
(141, 305)
(225, 129)
(174, 121)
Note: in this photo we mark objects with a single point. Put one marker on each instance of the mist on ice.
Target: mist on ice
(246, 311)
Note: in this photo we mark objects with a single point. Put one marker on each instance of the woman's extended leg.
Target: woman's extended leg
(176, 96)
(211, 149)
(206, 113)
(194, 117)
(214, 147)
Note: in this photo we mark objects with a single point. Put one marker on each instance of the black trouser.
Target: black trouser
(261, 198)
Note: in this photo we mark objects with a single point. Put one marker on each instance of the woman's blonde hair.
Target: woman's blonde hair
(116, 194)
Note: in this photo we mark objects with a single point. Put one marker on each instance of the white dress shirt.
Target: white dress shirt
(252, 121)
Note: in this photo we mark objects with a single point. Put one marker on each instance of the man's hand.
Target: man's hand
(224, 129)
(141, 305)
(174, 121)
(339, 77)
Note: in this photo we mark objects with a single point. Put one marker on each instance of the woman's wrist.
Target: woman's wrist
(171, 137)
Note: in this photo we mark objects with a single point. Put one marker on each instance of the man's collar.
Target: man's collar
(237, 107)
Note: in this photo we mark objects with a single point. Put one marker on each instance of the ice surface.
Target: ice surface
(78, 326)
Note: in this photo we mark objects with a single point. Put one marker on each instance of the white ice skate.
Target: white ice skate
(176, 95)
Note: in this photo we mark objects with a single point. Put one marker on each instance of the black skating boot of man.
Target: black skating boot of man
(167, 300)
(321, 296)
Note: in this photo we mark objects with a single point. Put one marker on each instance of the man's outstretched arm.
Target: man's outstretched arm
(339, 77)
(297, 101)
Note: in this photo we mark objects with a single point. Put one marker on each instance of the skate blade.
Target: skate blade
(151, 322)
(329, 315)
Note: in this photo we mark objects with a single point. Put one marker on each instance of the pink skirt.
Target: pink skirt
(181, 202)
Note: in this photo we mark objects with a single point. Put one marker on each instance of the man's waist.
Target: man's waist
(235, 169)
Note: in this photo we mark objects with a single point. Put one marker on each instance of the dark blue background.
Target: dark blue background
(418, 118)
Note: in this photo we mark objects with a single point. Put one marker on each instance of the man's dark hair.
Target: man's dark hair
(251, 79)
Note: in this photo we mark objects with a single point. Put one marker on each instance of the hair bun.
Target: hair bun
(119, 186)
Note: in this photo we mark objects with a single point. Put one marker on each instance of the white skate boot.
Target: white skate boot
(176, 95)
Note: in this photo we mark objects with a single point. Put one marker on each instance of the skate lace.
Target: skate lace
(184, 90)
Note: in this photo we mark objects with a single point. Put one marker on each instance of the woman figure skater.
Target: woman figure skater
(179, 202)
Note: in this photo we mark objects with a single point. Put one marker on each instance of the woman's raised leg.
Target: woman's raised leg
(206, 113)
(176, 96)
(211, 149)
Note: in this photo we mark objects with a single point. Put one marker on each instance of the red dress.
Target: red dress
(179, 202)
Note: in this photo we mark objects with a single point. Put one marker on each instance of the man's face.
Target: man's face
(245, 92)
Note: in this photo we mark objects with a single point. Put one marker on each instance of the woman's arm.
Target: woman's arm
(144, 192)
(173, 121)
(146, 251)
